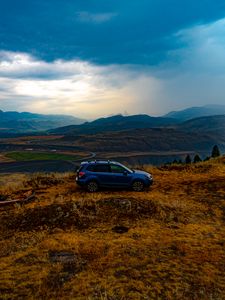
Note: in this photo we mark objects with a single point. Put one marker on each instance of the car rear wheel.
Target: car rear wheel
(92, 186)
(138, 186)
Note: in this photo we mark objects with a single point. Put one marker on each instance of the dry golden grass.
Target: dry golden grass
(3, 158)
(66, 245)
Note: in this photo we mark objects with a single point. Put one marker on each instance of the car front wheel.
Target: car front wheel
(92, 186)
(138, 186)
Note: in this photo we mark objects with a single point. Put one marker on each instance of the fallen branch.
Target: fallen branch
(9, 202)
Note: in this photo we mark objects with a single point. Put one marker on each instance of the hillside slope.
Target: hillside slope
(165, 243)
(210, 124)
(155, 139)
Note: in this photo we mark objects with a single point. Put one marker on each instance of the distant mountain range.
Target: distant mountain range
(116, 123)
(196, 112)
(13, 121)
(25, 122)
(187, 120)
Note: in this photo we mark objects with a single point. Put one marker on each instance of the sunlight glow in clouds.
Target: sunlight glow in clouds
(192, 75)
(75, 87)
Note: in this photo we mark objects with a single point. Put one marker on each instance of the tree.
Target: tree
(215, 151)
(197, 158)
(207, 158)
(188, 159)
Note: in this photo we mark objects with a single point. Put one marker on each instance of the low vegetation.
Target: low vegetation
(165, 243)
(26, 156)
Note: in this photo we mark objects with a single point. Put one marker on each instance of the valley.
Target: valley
(138, 139)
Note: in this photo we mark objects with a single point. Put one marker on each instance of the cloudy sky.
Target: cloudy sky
(96, 58)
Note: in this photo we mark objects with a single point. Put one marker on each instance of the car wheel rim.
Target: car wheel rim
(92, 187)
(138, 186)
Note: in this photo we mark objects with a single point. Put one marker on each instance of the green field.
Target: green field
(25, 156)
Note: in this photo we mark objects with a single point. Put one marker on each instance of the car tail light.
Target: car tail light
(81, 174)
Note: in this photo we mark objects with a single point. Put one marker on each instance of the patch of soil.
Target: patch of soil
(70, 263)
(120, 229)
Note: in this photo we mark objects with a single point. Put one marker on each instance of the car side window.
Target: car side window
(117, 169)
(102, 169)
(91, 168)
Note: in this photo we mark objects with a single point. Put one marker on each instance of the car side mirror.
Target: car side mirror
(125, 173)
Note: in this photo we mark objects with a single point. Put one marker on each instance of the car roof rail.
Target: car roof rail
(99, 160)
(94, 161)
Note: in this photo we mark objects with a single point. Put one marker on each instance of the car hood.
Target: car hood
(142, 172)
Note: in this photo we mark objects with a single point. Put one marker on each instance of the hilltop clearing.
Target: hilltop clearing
(165, 243)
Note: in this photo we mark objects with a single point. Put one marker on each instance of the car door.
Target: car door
(103, 174)
(120, 176)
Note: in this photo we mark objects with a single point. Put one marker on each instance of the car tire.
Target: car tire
(92, 186)
(138, 186)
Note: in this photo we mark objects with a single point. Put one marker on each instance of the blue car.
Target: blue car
(96, 174)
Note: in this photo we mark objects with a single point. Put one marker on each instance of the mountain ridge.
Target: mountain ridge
(196, 112)
(116, 123)
(26, 122)
(12, 121)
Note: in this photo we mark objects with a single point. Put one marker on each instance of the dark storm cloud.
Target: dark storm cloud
(104, 32)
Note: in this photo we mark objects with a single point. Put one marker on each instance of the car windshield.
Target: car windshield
(126, 168)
